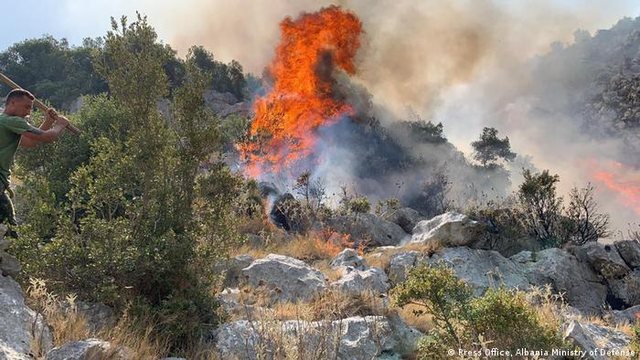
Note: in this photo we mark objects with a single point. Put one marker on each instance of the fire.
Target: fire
(623, 181)
(302, 99)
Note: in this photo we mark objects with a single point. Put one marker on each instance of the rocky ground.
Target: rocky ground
(600, 284)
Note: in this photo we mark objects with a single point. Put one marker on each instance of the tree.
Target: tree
(585, 222)
(489, 149)
(540, 206)
(140, 213)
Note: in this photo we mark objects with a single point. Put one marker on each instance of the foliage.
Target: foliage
(541, 207)
(426, 131)
(502, 318)
(584, 222)
(489, 148)
(136, 211)
(52, 69)
(224, 77)
(431, 196)
(359, 205)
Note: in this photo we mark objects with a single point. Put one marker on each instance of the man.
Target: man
(14, 130)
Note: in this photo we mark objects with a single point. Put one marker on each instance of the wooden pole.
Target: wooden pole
(37, 103)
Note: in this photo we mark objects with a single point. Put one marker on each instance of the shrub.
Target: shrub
(541, 207)
(502, 318)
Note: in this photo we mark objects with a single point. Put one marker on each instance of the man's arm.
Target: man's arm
(49, 130)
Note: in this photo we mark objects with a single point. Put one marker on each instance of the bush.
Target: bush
(502, 318)
(139, 214)
(541, 207)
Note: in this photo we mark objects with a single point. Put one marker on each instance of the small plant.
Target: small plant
(502, 318)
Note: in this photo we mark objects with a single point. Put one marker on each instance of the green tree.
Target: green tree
(540, 206)
(489, 149)
(144, 213)
(53, 70)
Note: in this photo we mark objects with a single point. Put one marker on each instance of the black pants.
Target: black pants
(7, 212)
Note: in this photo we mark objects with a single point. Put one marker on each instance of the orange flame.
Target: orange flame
(302, 98)
(623, 181)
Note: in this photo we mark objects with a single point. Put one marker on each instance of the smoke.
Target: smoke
(467, 64)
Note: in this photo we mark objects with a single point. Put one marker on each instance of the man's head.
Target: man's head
(19, 103)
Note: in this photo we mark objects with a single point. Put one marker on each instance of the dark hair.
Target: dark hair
(18, 93)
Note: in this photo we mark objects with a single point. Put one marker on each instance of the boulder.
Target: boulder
(481, 269)
(368, 228)
(89, 349)
(599, 342)
(581, 286)
(232, 269)
(288, 278)
(604, 259)
(448, 229)
(98, 315)
(629, 250)
(349, 258)
(17, 323)
(351, 338)
(406, 218)
(400, 264)
(9, 265)
(626, 316)
(356, 282)
(627, 289)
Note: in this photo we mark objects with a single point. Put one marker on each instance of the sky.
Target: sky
(193, 22)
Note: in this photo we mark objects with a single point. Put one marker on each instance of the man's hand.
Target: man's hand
(52, 113)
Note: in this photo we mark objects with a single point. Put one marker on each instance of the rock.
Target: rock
(289, 278)
(9, 265)
(400, 264)
(88, 350)
(369, 229)
(349, 258)
(449, 229)
(225, 104)
(604, 259)
(627, 289)
(506, 245)
(242, 339)
(481, 269)
(356, 282)
(629, 250)
(596, 339)
(16, 323)
(406, 218)
(351, 338)
(232, 269)
(626, 316)
(581, 286)
(98, 316)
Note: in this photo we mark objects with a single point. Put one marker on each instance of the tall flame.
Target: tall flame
(302, 99)
(623, 181)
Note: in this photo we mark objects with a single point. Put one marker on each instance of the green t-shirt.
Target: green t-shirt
(11, 128)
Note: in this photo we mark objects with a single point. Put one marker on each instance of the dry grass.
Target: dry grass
(422, 322)
(67, 325)
(381, 258)
(317, 245)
